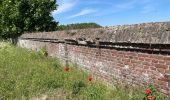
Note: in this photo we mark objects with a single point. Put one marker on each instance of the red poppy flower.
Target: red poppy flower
(150, 97)
(90, 78)
(67, 69)
(148, 91)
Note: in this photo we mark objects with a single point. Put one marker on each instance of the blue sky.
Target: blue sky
(112, 12)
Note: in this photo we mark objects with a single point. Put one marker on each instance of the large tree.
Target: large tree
(19, 16)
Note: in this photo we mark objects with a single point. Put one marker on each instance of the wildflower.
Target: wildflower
(150, 97)
(90, 78)
(67, 69)
(148, 91)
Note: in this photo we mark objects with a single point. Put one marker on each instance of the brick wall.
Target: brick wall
(113, 66)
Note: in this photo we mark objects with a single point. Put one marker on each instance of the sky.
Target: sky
(112, 12)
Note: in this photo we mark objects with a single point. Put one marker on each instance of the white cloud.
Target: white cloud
(127, 5)
(146, 1)
(82, 12)
(148, 6)
(116, 8)
(64, 5)
(148, 9)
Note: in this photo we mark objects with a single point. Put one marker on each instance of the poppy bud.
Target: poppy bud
(90, 78)
(148, 91)
(67, 69)
(150, 97)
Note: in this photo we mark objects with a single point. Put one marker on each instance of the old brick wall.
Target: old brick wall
(113, 66)
(131, 67)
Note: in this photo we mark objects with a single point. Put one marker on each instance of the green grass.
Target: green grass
(26, 75)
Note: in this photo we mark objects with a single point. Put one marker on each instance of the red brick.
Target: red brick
(126, 60)
(167, 58)
(120, 52)
(167, 71)
(161, 81)
(167, 76)
(161, 66)
(113, 54)
(120, 55)
(154, 61)
(143, 55)
(161, 70)
(136, 58)
(130, 57)
(164, 79)
(120, 62)
(131, 53)
(160, 57)
(153, 56)
(146, 63)
(146, 67)
(161, 62)
(129, 63)
(148, 59)
(167, 62)
(141, 58)
(134, 61)
(120, 65)
(153, 68)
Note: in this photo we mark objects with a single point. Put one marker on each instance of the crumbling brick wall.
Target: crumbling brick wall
(112, 65)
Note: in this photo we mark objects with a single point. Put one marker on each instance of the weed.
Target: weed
(43, 52)
(25, 74)
(77, 86)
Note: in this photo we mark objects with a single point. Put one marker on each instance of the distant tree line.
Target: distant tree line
(78, 26)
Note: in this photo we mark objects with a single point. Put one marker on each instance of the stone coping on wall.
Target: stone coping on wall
(122, 46)
(153, 33)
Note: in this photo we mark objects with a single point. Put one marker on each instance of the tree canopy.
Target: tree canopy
(18, 16)
(78, 26)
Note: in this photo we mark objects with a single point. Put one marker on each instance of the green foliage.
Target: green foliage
(18, 16)
(154, 92)
(77, 86)
(25, 74)
(78, 26)
(43, 52)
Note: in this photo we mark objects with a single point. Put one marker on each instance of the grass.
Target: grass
(26, 75)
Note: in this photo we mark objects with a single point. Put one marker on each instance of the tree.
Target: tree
(19, 16)
(78, 26)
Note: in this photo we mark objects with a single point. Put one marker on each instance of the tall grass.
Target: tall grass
(25, 74)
